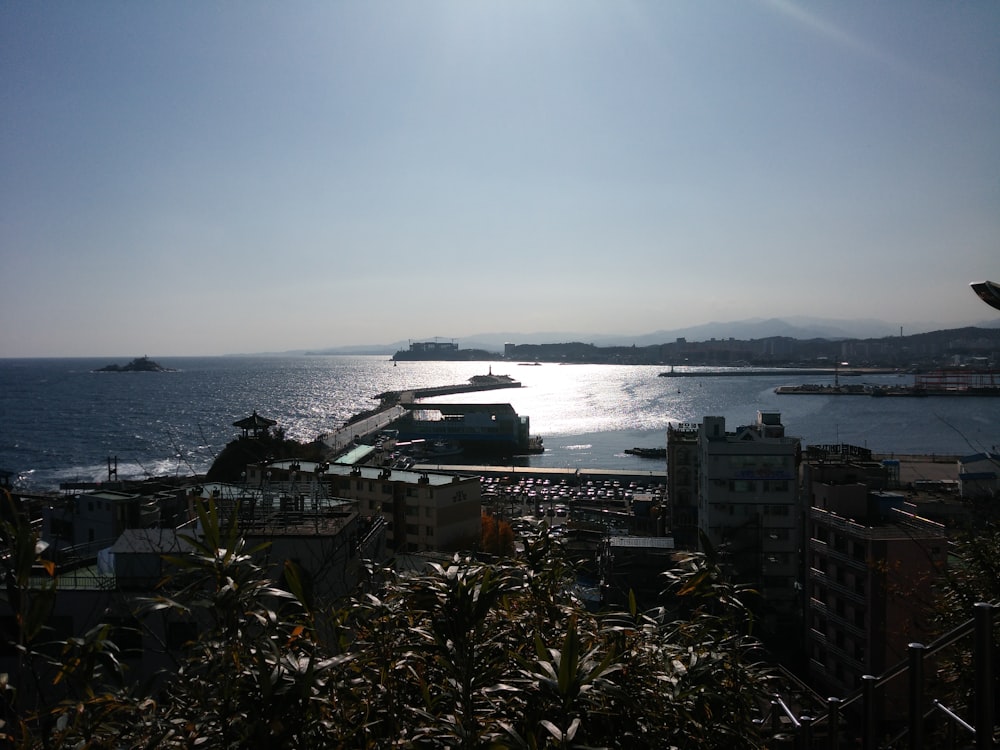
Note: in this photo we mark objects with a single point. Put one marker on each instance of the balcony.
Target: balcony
(840, 556)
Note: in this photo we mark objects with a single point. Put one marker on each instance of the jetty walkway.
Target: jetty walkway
(342, 438)
(409, 396)
(390, 409)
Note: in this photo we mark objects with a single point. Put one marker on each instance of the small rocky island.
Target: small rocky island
(139, 364)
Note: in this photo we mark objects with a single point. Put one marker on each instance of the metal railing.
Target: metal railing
(978, 730)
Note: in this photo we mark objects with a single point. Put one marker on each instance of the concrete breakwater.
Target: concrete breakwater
(878, 391)
(408, 396)
(742, 372)
(389, 409)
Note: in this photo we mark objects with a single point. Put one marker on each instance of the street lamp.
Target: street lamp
(988, 292)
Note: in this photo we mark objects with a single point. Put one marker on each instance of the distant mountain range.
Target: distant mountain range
(798, 327)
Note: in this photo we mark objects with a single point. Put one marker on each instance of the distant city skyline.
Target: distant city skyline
(208, 178)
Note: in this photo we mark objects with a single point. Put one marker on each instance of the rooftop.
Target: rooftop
(369, 472)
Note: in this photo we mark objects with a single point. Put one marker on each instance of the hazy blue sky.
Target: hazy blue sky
(204, 178)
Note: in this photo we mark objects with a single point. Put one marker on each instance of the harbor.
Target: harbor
(447, 428)
(957, 382)
(577, 410)
(730, 372)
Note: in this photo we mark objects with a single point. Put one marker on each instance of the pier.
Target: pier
(390, 409)
(340, 439)
(488, 382)
(408, 396)
(746, 371)
(958, 382)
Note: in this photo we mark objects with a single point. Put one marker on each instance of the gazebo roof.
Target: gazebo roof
(254, 422)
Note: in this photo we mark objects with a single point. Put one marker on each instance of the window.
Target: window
(819, 562)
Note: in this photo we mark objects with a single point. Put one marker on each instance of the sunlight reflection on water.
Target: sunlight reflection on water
(62, 420)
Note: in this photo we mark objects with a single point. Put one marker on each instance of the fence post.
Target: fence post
(833, 723)
(916, 658)
(985, 689)
(806, 732)
(870, 718)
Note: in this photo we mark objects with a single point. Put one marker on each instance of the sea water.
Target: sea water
(60, 420)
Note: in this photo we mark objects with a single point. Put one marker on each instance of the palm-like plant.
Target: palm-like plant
(463, 654)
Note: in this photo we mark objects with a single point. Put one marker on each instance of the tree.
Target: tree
(464, 654)
(498, 536)
(973, 576)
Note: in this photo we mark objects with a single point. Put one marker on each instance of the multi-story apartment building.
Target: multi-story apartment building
(748, 510)
(423, 511)
(870, 566)
(682, 483)
(979, 475)
(98, 517)
(106, 577)
(326, 537)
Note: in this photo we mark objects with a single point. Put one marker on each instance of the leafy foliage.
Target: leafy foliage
(973, 576)
(465, 654)
(497, 536)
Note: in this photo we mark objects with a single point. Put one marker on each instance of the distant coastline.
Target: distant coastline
(979, 347)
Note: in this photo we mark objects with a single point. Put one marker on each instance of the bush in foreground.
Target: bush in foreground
(464, 655)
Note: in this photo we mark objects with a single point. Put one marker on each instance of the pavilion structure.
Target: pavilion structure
(254, 425)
